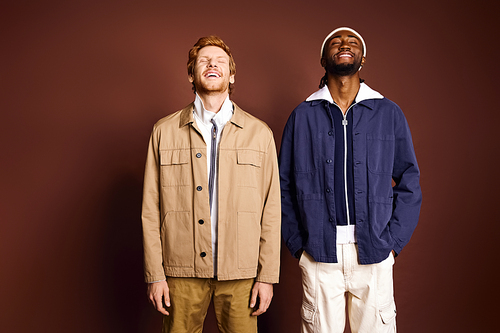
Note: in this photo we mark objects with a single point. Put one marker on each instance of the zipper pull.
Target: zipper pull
(344, 122)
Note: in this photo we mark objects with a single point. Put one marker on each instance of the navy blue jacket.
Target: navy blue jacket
(387, 195)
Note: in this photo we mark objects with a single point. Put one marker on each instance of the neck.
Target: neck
(343, 89)
(213, 101)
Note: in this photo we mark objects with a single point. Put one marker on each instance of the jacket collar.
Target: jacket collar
(187, 116)
(365, 94)
(238, 119)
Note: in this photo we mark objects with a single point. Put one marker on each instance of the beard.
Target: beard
(335, 69)
(211, 88)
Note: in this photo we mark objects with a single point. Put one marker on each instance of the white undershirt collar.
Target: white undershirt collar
(221, 118)
(364, 93)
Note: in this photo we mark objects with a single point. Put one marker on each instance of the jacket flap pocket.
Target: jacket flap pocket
(250, 157)
(174, 156)
(388, 312)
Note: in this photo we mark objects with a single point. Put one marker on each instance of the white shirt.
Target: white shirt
(203, 120)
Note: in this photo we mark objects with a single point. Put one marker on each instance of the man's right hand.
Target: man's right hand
(159, 296)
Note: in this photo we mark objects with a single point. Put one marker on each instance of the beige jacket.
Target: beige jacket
(176, 214)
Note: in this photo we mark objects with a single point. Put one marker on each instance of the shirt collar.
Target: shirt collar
(221, 118)
(364, 93)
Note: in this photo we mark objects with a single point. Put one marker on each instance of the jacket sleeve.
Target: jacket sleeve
(291, 227)
(270, 237)
(407, 195)
(151, 214)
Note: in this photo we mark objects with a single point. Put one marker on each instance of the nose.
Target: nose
(345, 45)
(212, 63)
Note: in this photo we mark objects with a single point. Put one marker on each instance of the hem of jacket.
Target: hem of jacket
(362, 261)
(372, 261)
(188, 272)
(240, 275)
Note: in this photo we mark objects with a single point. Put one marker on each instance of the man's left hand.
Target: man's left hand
(264, 291)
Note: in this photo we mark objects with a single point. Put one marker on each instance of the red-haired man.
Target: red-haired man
(211, 205)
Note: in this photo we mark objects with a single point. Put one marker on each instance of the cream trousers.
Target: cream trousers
(368, 290)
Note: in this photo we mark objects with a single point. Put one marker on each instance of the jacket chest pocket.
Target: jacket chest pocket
(248, 167)
(175, 167)
(380, 151)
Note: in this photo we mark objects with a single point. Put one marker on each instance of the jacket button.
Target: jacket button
(199, 188)
(331, 219)
(203, 254)
(201, 221)
(198, 155)
(328, 190)
(328, 161)
(330, 133)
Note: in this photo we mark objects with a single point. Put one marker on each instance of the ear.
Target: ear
(323, 62)
(190, 78)
(231, 79)
(363, 60)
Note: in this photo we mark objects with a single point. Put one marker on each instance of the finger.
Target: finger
(159, 305)
(166, 297)
(163, 311)
(151, 296)
(253, 299)
(262, 308)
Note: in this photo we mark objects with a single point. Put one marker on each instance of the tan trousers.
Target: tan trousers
(368, 290)
(190, 298)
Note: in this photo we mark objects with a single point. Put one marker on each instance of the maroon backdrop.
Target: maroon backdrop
(82, 83)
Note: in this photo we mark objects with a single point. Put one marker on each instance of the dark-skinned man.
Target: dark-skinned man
(350, 194)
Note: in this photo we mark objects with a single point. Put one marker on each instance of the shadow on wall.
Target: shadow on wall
(123, 290)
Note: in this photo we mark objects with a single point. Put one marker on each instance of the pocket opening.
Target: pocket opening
(388, 313)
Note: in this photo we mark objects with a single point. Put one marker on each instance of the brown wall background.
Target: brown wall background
(82, 83)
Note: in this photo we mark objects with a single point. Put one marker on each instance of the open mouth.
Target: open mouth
(212, 74)
(345, 55)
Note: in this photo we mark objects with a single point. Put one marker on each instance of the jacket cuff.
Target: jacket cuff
(267, 279)
(154, 278)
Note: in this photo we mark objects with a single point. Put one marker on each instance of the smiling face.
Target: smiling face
(211, 71)
(343, 54)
